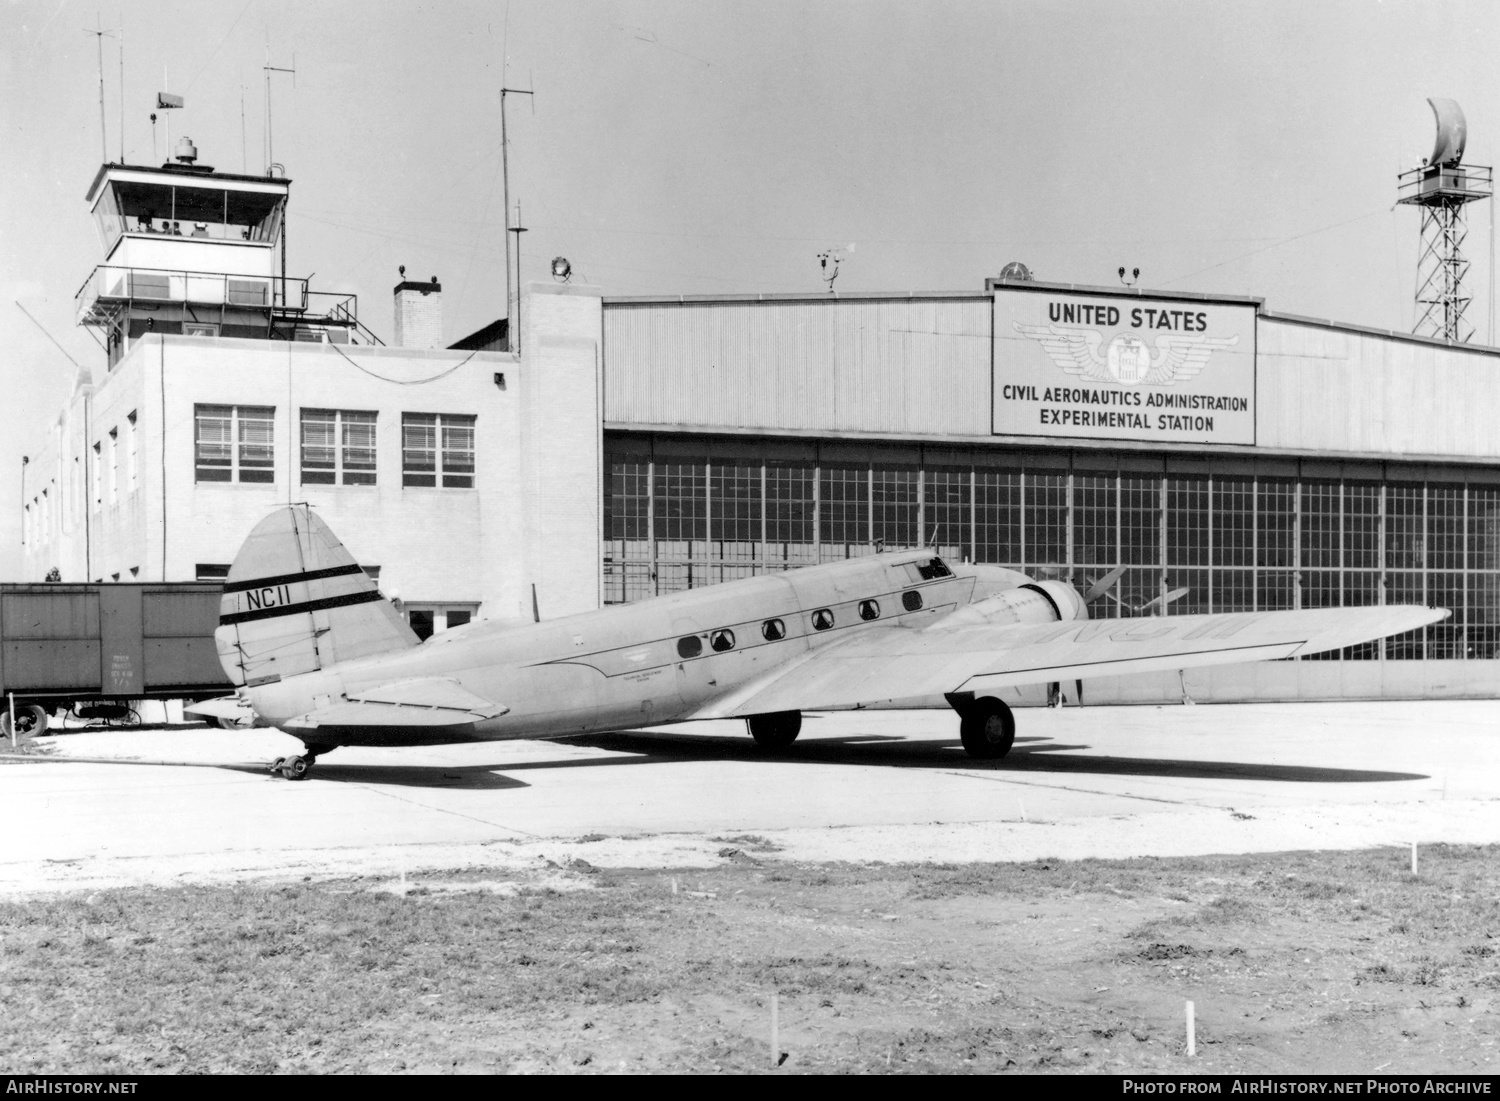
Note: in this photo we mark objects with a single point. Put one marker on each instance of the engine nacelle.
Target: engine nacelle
(1033, 602)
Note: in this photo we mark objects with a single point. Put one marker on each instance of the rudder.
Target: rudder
(296, 601)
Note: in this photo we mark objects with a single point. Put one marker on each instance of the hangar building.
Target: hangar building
(1224, 456)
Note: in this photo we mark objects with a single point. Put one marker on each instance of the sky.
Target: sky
(1246, 148)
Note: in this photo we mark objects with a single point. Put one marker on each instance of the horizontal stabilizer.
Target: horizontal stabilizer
(425, 701)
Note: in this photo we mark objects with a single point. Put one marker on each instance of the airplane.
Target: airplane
(318, 652)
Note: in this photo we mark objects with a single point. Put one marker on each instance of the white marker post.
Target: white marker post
(13, 742)
(1192, 1037)
(775, 1035)
(1413, 844)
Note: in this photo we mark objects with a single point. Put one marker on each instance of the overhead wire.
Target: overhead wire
(402, 381)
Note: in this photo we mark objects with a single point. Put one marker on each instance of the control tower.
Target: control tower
(1442, 187)
(202, 253)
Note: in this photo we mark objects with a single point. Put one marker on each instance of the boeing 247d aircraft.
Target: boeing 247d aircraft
(318, 652)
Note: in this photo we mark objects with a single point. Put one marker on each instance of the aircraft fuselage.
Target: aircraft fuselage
(655, 661)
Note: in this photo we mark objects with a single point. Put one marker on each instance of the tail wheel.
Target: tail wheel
(988, 729)
(30, 722)
(776, 730)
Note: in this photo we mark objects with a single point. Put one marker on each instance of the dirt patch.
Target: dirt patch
(1308, 963)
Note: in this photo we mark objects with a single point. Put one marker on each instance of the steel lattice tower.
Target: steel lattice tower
(1442, 187)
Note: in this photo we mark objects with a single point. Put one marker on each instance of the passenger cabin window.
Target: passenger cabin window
(773, 630)
(822, 619)
(722, 640)
(869, 609)
(689, 646)
(911, 600)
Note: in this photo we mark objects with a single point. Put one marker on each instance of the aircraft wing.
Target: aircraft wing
(896, 663)
(424, 701)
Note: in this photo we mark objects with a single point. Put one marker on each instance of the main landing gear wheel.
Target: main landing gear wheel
(776, 730)
(31, 722)
(987, 728)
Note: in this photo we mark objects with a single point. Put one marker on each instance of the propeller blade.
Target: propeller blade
(1104, 584)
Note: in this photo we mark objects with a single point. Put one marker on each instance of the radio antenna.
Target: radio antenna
(269, 68)
(101, 34)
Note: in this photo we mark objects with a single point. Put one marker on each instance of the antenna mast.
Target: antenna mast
(101, 34)
(510, 311)
(269, 68)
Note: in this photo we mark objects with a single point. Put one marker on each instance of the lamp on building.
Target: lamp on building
(562, 271)
(1135, 273)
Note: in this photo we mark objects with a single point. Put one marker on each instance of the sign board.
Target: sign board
(1123, 367)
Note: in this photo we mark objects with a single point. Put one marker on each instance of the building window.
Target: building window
(429, 619)
(437, 449)
(199, 328)
(338, 447)
(235, 443)
(96, 471)
(211, 571)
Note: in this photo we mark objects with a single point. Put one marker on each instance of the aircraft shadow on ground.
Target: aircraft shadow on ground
(1030, 755)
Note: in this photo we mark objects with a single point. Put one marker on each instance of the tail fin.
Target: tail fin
(296, 601)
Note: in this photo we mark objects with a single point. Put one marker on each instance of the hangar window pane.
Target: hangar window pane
(1403, 587)
(1484, 528)
(1046, 533)
(1197, 600)
(1321, 521)
(789, 514)
(1322, 589)
(1274, 590)
(1446, 640)
(997, 517)
(1361, 526)
(947, 511)
(1404, 524)
(681, 503)
(1445, 527)
(845, 509)
(734, 492)
(627, 504)
(1362, 590)
(894, 494)
(1140, 521)
(1095, 519)
(1276, 516)
(1234, 522)
(1234, 590)
(1187, 521)
(1484, 615)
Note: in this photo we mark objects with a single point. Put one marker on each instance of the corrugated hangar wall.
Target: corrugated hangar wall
(1373, 468)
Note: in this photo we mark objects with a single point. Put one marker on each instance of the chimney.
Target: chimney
(419, 313)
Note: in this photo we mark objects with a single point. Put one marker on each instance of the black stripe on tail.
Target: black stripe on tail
(299, 609)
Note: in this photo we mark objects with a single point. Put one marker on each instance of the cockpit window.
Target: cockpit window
(689, 646)
(933, 569)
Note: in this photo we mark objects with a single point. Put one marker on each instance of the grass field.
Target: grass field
(1331, 962)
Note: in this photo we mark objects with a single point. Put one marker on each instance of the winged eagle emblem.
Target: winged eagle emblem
(1126, 359)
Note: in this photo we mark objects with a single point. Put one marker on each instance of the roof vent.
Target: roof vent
(187, 152)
